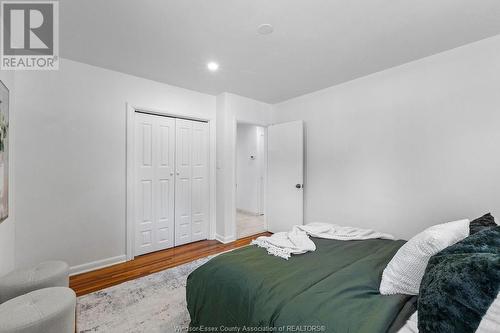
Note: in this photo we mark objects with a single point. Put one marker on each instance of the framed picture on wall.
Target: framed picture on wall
(4, 152)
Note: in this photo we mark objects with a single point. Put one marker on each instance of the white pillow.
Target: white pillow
(404, 272)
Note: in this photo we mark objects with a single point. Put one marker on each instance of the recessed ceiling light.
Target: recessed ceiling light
(265, 29)
(212, 66)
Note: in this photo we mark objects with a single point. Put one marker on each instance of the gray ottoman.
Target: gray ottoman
(49, 310)
(44, 275)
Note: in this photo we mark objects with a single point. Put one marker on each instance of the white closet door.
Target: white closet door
(191, 184)
(154, 192)
(199, 188)
(183, 218)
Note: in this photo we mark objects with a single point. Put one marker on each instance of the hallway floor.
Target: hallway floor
(248, 224)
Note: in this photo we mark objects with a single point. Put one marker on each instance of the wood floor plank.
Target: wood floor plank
(151, 263)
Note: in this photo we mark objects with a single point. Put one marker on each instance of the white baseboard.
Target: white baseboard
(92, 266)
(225, 240)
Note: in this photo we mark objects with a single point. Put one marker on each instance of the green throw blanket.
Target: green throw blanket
(460, 283)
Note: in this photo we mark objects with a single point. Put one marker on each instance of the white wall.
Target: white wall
(398, 150)
(71, 153)
(232, 109)
(7, 227)
(408, 147)
(249, 171)
(222, 150)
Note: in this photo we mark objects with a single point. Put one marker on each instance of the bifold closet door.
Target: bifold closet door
(154, 188)
(191, 184)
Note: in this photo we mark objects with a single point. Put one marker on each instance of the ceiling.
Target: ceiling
(315, 44)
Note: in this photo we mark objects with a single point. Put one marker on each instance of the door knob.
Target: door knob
(298, 186)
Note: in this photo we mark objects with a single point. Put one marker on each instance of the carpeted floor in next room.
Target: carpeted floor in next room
(154, 303)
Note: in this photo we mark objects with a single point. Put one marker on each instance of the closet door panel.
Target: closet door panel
(144, 226)
(154, 189)
(165, 208)
(200, 194)
(184, 132)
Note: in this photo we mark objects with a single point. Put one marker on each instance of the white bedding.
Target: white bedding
(411, 325)
(296, 241)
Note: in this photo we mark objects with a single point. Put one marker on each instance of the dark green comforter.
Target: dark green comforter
(334, 289)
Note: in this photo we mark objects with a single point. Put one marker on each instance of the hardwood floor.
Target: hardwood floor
(151, 263)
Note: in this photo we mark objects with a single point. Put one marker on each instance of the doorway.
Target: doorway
(251, 169)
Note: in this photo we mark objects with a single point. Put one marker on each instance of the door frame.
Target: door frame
(130, 171)
(234, 194)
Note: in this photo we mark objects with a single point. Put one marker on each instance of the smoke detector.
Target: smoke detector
(265, 29)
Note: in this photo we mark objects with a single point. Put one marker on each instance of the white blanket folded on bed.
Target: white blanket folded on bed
(296, 241)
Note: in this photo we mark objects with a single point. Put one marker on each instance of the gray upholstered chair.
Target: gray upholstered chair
(37, 300)
(49, 310)
(45, 275)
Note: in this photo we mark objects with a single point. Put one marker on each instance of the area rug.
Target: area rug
(154, 303)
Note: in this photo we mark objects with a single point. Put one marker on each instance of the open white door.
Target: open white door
(285, 176)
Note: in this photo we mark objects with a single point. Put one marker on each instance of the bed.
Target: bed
(334, 289)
